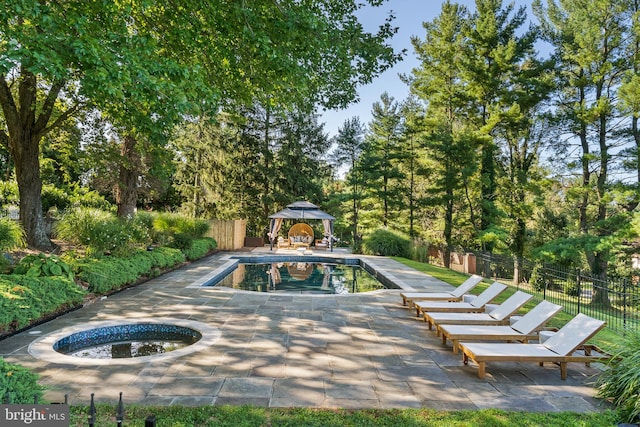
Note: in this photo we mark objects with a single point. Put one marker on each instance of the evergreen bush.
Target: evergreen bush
(109, 273)
(19, 384)
(386, 243)
(536, 281)
(24, 299)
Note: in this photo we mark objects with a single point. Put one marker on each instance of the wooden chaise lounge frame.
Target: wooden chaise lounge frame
(454, 295)
(497, 316)
(525, 329)
(561, 348)
(475, 305)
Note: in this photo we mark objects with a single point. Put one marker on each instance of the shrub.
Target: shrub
(178, 230)
(11, 235)
(620, 381)
(181, 241)
(199, 248)
(83, 197)
(419, 251)
(54, 197)
(102, 232)
(536, 281)
(25, 299)
(386, 243)
(43, 265)
(571, 287)
(9, 193)
(19, 383)
(106, 274)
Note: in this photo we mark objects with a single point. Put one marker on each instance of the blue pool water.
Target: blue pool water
(125, 341)
(301, 277)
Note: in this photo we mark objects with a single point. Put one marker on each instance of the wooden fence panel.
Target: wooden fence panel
(229, 234)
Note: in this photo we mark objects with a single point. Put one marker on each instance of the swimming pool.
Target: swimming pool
(304, 275)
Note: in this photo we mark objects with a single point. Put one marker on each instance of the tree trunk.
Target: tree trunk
(30, 190)
(448, 227)
(25, 130)
(488, 189)
(127, 188)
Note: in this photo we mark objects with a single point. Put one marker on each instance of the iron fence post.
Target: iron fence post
(120, 412)
(579, 286)
(92, 412)
(544, 282)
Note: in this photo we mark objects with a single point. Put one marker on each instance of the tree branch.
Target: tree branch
(8, 105)
(47, 107)
(59, 120)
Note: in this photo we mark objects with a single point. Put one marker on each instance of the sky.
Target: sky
(410, 14)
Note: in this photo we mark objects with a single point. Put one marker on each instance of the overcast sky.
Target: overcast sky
(410, 14)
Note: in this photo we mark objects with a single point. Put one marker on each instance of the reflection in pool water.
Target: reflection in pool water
(301, 277)
(126, 341)
(129, 349)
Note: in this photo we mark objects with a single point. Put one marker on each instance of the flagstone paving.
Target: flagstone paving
(340, 351)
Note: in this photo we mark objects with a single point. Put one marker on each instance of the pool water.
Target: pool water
(301, 277)
(126, 341)
(128, 349)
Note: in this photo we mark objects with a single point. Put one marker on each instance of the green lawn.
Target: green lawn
(603, 339)
(246, 416)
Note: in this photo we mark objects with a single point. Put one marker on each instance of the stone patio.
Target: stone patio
(291, 350)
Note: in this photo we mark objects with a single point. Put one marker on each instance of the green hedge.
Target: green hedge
(21, 384)
(26, 299)
(200, 247)
(386, 243)
(108, 273)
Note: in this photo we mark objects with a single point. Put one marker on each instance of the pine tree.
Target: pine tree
(380, 162)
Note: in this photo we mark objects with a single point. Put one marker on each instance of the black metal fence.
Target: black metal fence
(616, 301)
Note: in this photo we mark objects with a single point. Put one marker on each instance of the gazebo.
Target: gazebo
(301, 210)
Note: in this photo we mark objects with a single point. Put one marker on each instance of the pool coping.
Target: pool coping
(231, 261)
(43, 347)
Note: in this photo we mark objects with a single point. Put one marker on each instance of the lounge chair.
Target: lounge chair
(475, 305)
(560, 348)
(523, 330)
(301, 235)
(283, 243)
(497, 316)
(454, 295)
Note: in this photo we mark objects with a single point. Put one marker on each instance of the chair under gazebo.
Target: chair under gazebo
(301, 234)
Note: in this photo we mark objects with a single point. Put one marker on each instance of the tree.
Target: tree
(494, 48)
(414, 117)
(146, 63)
(588, 39)
(629, 94)
(439, 82)
(349, 145)
(299, 159)
(381, 158)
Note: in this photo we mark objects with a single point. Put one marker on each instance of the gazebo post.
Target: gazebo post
(271, 234)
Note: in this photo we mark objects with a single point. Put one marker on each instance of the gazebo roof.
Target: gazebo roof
(302, 210)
